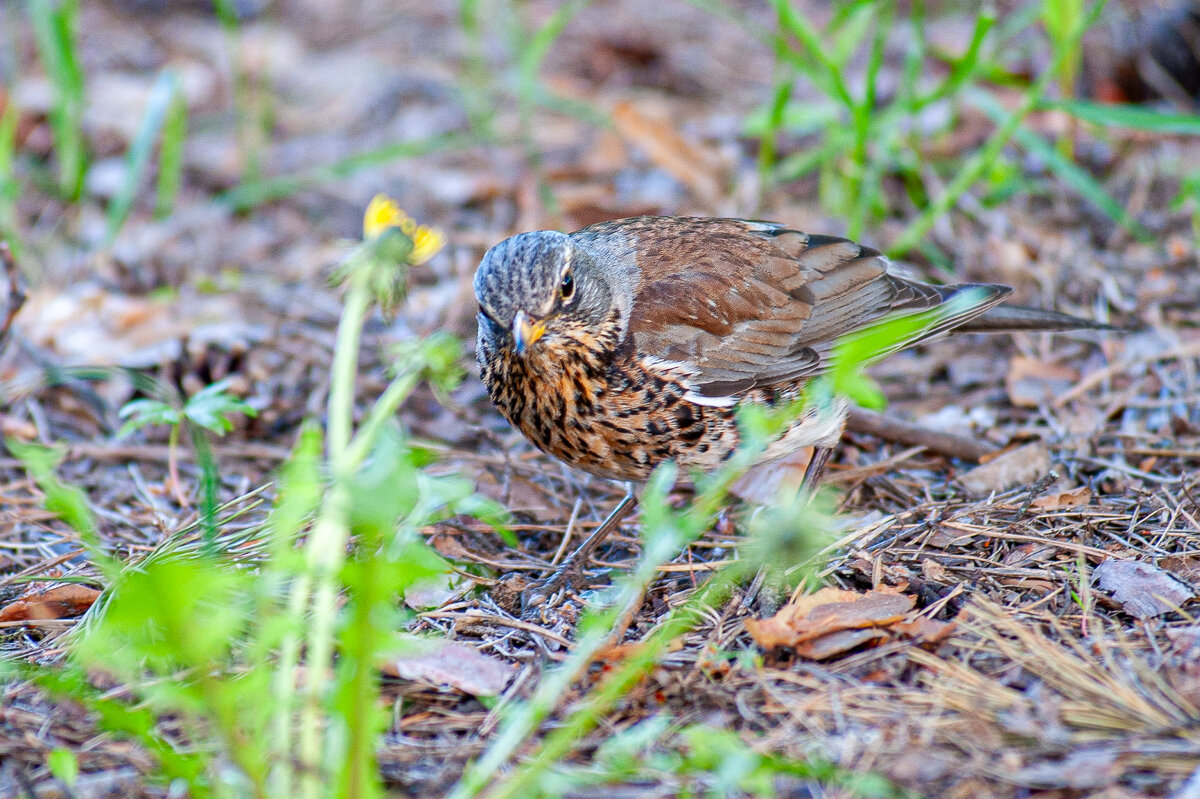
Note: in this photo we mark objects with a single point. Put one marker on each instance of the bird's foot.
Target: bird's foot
(550, 592)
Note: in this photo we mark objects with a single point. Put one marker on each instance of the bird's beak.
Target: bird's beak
(525, 332)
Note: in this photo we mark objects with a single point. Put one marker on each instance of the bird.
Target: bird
(631, 343)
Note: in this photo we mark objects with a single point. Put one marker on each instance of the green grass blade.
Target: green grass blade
(1067, 170)
(10, 188)
(170, 157)
(162, 95)
(828, 77)
(1129, 116)
(256, 192)
(983, 158)
(54, 27)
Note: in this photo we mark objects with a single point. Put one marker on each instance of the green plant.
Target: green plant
(198, 636)
(252, 97)
(55, 27)
(165, 119)
(1061, 18)
(10, 187)
(210, 409)
(861, 144)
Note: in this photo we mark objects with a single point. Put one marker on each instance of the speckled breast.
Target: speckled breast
(613, 417)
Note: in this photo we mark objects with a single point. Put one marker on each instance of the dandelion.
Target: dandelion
(383, 214)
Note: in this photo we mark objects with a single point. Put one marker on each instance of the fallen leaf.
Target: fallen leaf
(1185, 646)
(60, 602)
(1183, 567)
(1080, 769)
(1008, 470)
(1031, 552)
(1142, 589)
(828, 611)
(433, 592)
(836, 643)
(439, 662)
(12, 427)
(520, 496)
(1063, 499)
(925, 630)
(764, 483)
(934, 572)
(1031, 382)
(697, 168)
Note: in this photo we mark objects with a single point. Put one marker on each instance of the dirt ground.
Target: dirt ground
(1050, 684)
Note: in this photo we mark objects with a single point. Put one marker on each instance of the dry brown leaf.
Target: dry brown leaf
(1142, 589)
(520, 496)
(934, 572)
(1080, 769)
(86, 323)
(12, 427)
(1008, 470)
(697, 168)
(924, 630)
(1183, 567)
(762, 484)
(1063, 499)
(1031, 552)
(827, 611)
(1031, 382)
(60, 602)
(836, 643)
(440, 662)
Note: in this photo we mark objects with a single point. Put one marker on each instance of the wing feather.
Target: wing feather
(746, 304)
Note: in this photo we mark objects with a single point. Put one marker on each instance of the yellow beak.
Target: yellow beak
(525, 332)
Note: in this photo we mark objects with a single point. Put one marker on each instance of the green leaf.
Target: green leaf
(163, 95)
(55, 27)
(1129, 116)
(170, 158)
(1075, 176)
(144, 412)
(173, 613)
(67, 502)
(212, 406)
(301, 487)
(63, 766)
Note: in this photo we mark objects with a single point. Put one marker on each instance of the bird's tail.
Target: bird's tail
(1009, 318)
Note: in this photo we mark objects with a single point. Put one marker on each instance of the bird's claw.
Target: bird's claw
(548, 593)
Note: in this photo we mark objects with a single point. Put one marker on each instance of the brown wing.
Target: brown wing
(755, 304)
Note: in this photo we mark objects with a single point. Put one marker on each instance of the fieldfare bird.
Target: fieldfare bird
(630, 343)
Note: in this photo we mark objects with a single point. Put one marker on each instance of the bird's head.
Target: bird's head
(539, 287)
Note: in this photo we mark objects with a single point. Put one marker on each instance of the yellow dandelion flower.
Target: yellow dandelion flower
(382, 213)
(426, 243)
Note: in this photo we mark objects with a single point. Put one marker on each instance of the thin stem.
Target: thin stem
(384, 409)
(342, 373)
(173, 465)
(326, 550)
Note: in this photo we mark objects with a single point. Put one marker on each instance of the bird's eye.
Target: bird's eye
(567, 288)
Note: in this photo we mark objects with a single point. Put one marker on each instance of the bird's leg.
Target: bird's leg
(814, 470)
(571, 568)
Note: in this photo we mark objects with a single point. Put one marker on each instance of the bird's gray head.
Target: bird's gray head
(536, 285)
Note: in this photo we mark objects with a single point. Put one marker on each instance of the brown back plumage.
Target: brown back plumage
(748, 304)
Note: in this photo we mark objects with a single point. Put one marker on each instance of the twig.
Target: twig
(862, 420)
(16, 293)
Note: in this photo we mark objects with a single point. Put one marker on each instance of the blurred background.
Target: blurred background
(179, 179)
